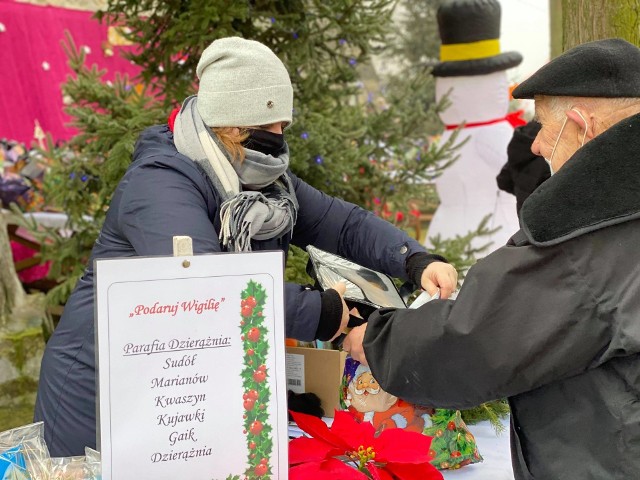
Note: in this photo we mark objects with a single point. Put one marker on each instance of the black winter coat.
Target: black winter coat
(163, 194)
(551, 321)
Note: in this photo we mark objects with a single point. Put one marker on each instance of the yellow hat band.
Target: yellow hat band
(469, 51)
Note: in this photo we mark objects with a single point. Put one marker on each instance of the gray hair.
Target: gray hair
(607, 106)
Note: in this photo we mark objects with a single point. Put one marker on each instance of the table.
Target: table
(495, 450)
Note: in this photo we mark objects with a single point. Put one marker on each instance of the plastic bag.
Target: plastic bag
(85, 467)
(453, 445)
(94, 462)
(67, 468)
(29, 441)
(73, 468)
(13, 465)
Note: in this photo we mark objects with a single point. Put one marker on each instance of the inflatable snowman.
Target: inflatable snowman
(472, 72)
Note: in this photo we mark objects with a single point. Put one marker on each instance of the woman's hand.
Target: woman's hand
(439, 275)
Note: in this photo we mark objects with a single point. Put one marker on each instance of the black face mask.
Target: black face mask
(265, 142)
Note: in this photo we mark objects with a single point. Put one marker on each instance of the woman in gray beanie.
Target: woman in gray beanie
(220, 174)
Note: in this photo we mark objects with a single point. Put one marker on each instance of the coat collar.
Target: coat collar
(599, 186)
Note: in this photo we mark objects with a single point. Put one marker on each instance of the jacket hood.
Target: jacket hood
(599, 186)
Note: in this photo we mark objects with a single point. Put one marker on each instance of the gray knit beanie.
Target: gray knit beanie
(243, 84)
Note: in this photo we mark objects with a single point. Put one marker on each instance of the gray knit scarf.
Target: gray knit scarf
(258, 199)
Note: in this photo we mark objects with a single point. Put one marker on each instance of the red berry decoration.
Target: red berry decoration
(254, 334)
(451, 426)
(256, 427)
(254, 400)
(252, 394)
(455, 454)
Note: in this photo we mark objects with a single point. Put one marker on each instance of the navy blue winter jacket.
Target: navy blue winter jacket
(164, 194)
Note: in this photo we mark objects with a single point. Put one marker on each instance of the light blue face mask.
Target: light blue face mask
(586, 128)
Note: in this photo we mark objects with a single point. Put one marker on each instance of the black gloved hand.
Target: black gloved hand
(308, 403)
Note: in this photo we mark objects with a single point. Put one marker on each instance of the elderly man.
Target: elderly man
(552, 319)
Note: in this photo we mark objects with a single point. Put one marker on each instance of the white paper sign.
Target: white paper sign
(191, 367)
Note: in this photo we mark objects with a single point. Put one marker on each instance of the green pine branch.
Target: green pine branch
(493, 411)
(460, 251)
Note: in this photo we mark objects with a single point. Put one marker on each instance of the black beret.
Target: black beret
(604, 68)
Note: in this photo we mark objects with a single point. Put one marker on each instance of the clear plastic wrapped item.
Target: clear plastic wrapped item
(93, 462)
(13, 465)
(72, 468)
(28, 442)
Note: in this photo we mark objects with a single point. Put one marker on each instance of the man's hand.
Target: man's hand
(353, 344)
(439, 275)
(341, 288)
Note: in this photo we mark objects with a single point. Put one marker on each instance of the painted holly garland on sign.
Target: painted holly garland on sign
(254, 375)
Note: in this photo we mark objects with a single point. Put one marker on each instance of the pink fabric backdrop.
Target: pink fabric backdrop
(28, 91)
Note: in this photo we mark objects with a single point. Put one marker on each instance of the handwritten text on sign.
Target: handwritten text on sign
(173, 363)
(196, 306)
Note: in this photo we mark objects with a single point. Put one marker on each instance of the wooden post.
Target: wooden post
(11, 292)
(183, 247)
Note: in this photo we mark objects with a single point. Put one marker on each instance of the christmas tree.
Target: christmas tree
(368, 146)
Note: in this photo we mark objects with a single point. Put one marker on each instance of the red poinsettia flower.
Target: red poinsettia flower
(351, 450)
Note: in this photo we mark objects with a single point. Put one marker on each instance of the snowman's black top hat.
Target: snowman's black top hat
(470, 35)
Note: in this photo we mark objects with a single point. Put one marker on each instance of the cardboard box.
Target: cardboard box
(317, 371)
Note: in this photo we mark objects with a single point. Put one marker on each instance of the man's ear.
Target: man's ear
(584, 120)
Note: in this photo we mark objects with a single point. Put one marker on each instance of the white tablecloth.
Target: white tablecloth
(494, 449)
